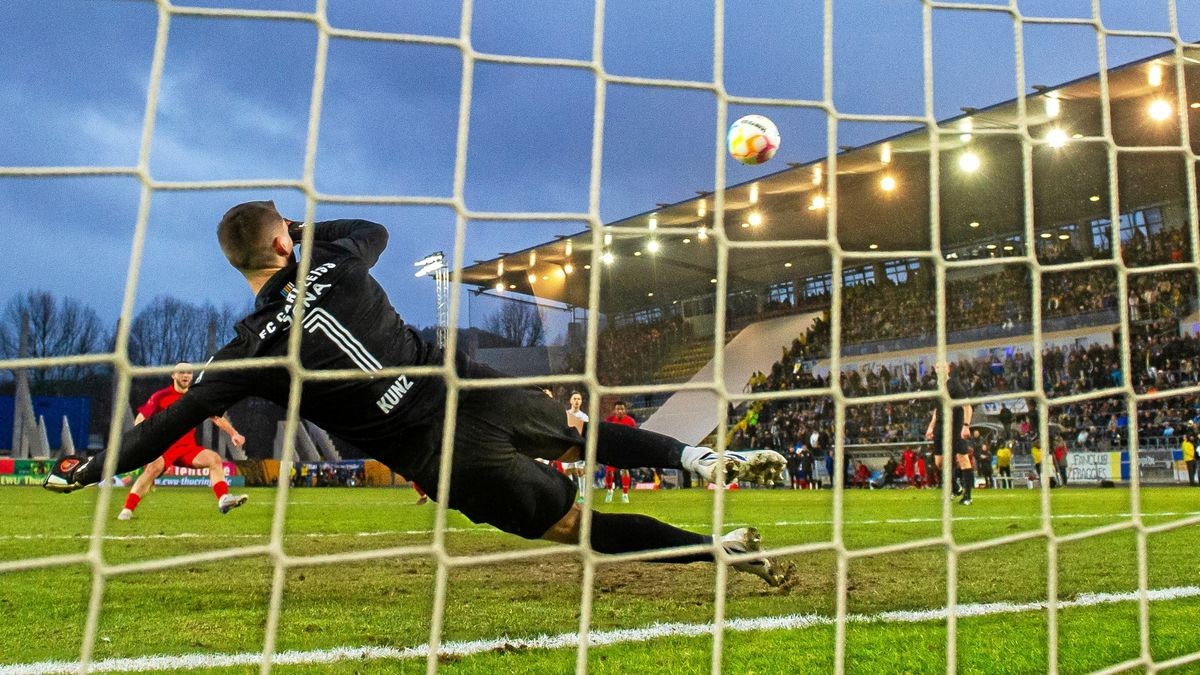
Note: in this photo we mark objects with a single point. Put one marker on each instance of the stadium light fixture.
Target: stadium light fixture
(873, 247)
(745, 225)
(533, 258)
(686, 240)
(1195, 106)
(885, 153)
(818, 202)
(434, 262)
(965, 126)
(545, 277)
(818, 174)
(653, 246)
(637, 254)
(512, 286)
(754, 193)
(969, 162)
(1076, 135)
(532, 278)
(1064, 236)
(973, 223)
(608, 238)
(1053, 106)
(712, 281)
(755, 219)
(587, 267)
(430, 259)
(499, 287)
(500, 268)
(702, 233)
(787, 264)
(1154, 75)
(1056, 138)
(1008, 247)
(991, 247)
(568, 268)
(570, 248)
(887, 184)
(1094, 198)
(702, 208)
(1045, 235)
(650, 294)
(653, 224)
(1159, 110)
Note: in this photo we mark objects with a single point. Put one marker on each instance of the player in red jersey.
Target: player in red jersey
(610, 473)
(184, 452)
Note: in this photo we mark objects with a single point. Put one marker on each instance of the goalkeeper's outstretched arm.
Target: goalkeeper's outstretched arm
(140, 446)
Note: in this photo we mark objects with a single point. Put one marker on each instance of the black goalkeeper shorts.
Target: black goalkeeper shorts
(495, 478)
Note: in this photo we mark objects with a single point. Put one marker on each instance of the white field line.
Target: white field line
(489, 530)
(571, 640)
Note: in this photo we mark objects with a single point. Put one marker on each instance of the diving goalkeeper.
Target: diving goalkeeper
(349, 323)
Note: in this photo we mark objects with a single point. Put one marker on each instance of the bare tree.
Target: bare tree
(170, 330)
(517, 323)
(57, 327)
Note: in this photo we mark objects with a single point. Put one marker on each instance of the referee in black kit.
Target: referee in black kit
(960, 430)
(349, 323)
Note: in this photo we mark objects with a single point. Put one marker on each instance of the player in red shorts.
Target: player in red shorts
(184, 452)
(610, 473)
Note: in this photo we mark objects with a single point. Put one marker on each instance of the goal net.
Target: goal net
(1021, 134)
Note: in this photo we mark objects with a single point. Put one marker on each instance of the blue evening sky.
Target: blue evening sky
(234, 104)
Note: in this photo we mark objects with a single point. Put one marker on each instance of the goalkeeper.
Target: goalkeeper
(349, 323)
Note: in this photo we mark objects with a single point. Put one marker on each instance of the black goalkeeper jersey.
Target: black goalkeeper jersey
(348, 323)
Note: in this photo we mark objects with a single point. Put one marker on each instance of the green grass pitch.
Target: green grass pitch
(207, 608)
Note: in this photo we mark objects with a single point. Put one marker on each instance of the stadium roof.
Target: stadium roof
(1068, 170)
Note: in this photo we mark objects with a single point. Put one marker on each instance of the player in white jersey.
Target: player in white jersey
(576, 470)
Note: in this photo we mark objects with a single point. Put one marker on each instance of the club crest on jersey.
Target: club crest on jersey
(283, 319)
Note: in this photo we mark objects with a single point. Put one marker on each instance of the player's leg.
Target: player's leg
(580, 480)
(140, 487)
(615, 533)
(629, 448)
(421, 496)
(610, 474)
(211, 461)
(491, 482)
(625, 486)
(966, 471)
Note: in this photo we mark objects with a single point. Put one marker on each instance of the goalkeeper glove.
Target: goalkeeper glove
(62, 477)
(295, 230)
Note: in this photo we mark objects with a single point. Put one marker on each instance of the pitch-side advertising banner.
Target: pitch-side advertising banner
(1156, 466)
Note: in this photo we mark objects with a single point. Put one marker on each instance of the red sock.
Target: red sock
(420, 492)
(132, 500)
(625, 484)
(608, 477)
(220, 488)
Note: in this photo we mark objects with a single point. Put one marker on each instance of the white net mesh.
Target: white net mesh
(282, 561)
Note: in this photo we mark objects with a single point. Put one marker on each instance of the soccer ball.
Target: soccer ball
(753, 139)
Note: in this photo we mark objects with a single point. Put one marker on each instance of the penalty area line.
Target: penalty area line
(599, 638)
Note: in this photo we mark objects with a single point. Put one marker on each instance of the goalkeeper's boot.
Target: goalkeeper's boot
(757, 466)
(125, 514)
(62, 476)
(748, 540)
(228, 502)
